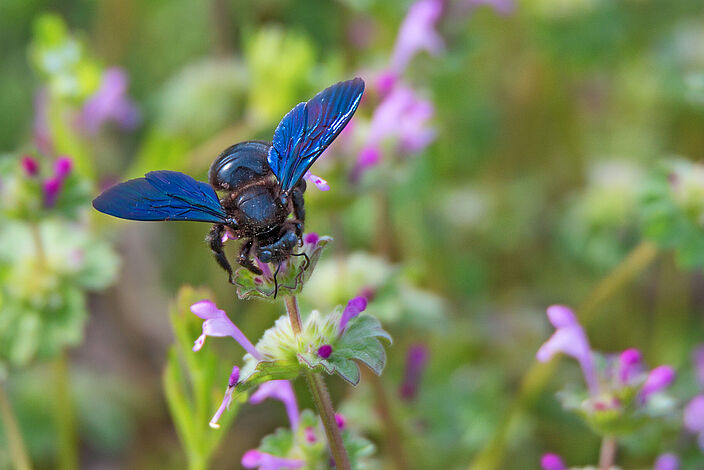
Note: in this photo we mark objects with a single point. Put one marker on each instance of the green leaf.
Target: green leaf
(359, 343)
(291, 278)
(256, 373)
(279, 443)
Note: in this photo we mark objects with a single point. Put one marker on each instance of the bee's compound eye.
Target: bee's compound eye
(290, 239)
(265, 256)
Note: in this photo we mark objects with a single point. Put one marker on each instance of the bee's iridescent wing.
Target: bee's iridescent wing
(162, 195)
(309, 128)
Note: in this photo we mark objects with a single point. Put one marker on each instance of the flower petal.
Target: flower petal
(319, 183)
(263, 461)
(231, 383)
(659, 378)
(279, 390)
(218, 324)
(694, 415)
(552, 462)
(354, 307)
(667, 462)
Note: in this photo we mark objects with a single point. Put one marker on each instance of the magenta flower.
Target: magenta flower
(110, 103)
(698, 357)
(231, 383)
(569, 338)
(354, 308)
(667, 462)
(319, 183)
(63, 167)
(325, 351)
(218, 324)
(416, 360)
(263, 461)
(417, 33)
(658, 379)
(311, 238)
(629, 365)
(29, 165)
(52, 188)
(694, 418)
(279, 390)
(340, 420)
(552, 462)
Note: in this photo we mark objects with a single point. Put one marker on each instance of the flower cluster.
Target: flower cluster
(620, 389)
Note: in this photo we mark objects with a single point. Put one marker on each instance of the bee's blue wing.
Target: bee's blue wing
(309, 128)
(162, 195)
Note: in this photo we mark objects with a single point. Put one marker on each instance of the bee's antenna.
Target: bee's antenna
(303, 253)
(276, 283)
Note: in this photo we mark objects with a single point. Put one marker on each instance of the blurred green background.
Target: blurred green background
(557, 125)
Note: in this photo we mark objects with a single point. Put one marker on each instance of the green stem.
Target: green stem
(538, 374)
(321, 397)
(393, 436)
(607, 453)
(64, 414)
(18, 452)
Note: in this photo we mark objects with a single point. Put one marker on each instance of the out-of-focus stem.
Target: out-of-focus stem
(386, 241)
(392, 433)
(65, 417)
(38, 245)
(538, 374)
(607, 453)
(321, 397)
(18, 452)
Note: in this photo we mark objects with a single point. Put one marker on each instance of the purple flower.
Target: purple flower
(340, 420)
(218, 324)
(311, 238)
(416, 359)
(354, 308)
(698, 357)
(418, 33)
(401, 117)
(231, 383)
(279, 390)
(552, 462)
(52, 188)
(29, 165)
(319, 183)
(325, 351)
(263, 461)
(694, 418)
(569, 338)
(309, 433)
(63, 167)
(110, 103)
(629, 365)
(667, 462)
(659, 378)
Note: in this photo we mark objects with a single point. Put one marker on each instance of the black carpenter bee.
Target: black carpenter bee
(262, 184)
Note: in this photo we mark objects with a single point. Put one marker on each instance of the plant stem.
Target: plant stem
(64, 414)
(18, 452)
(38, 245)
(539, 373)
(607, 453)
(393, 436)
(321, 397)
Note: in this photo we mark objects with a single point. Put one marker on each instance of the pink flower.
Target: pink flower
(325, 351)
(279, 390)
(231, 383)
(658, 379)
(416, 359)
(52, 189)
(319, 183)
(110, 103)
(354, 308)
(218, 324)
(62, 167)
(340, 420)
(667, 462)
(629, 365)
(263, 461)
(417, 33)
(569, 338)
(29, 165)
(694, 418)
(552, 462)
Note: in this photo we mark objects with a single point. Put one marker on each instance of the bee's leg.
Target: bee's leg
(245, 261)
(282, 248)
(299, 210)
(214, 239)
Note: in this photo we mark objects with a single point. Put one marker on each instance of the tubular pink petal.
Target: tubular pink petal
(694, 415)
(354, 307)
(263, 461)
(227, 399)
(658, 379)
(667, 462)
(319, 183)
(279, 390)
(629, 365)
(218, 324)
(552, 462)
(29, 165)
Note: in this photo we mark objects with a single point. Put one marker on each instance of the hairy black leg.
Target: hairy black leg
(276, 282)
(299, 210)
(214, 239)
(307, 263)
(245, 261)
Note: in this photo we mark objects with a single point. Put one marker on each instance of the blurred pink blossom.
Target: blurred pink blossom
(110, 103)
